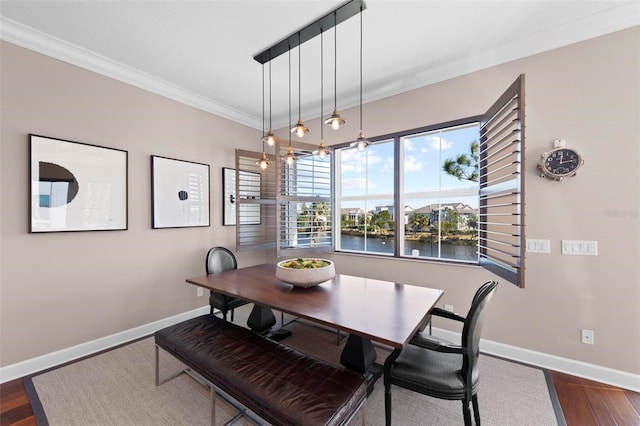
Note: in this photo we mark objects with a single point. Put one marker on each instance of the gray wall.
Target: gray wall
(60, 290)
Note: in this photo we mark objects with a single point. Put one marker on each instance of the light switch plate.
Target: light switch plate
(580, 247)
(538, 246)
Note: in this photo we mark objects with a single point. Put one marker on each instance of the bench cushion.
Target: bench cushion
(278, 383)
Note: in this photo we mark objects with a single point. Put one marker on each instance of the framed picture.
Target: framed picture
(76, 186)
(179, 193)
(249, 190)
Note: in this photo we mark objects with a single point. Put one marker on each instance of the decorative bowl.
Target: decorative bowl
(305, 272)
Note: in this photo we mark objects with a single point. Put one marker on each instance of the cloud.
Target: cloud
(359, 184)
(387, 167)
(439, 143)
(412, 164)
(408, 145)
(357, 162)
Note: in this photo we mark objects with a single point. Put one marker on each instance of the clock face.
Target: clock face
(561, 162)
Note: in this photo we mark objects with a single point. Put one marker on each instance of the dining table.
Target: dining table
(369, 310)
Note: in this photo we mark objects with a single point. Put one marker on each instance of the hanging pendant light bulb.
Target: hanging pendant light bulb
(300, 130)
(289, 157)
(270, 138)
(322, 149)
(263, 162)
(361, 142)
(335, 121)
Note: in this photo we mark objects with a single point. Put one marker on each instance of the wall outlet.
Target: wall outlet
(587, 337)
(448, 308)
(199, 292)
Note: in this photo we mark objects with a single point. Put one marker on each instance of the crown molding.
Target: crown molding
(45, 44)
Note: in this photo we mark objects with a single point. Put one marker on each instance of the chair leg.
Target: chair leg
(387, 405)
(466, 412)
(476, 410)
(224, 315)
(232, 315)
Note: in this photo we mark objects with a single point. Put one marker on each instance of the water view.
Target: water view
(424, 249)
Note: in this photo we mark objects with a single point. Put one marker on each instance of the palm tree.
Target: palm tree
(464, 166)
(418, 221)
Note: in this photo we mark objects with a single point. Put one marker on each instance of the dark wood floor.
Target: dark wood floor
(583, 402)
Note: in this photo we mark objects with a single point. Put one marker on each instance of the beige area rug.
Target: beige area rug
(117, 387)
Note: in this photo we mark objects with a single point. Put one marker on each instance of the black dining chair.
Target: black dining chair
(220, 259)
(441, 369)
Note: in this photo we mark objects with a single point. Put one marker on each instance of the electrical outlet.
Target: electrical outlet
(587, 337)
(199, 292)
(448, 308)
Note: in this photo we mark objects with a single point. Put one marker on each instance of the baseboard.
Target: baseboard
(34, 365)
(594, 372)
(621, 379)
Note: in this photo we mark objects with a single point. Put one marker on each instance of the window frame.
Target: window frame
(396, 138)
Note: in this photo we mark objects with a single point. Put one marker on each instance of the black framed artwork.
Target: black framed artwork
(76, 186)
(179, 193)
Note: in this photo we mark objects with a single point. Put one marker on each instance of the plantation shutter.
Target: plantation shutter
(501, 217)
(256, 203)
(304, 200)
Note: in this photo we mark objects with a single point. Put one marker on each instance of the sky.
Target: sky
(371, 171)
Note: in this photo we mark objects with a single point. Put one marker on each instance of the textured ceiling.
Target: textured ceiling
(201, 52)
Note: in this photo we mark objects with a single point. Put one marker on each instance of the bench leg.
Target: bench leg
(158, 382)
(213, 405)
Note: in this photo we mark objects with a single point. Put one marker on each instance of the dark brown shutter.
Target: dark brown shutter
(501, 218)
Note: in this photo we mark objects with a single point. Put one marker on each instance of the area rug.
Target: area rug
(117, 387)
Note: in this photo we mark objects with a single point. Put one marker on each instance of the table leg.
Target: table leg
(359, 355)
(261, 318)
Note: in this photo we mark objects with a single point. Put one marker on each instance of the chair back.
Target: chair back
(220, 259)
(472, 330)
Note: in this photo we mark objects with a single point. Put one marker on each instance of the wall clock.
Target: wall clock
(560, 163)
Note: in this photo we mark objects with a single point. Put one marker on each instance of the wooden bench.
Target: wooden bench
(279, 384)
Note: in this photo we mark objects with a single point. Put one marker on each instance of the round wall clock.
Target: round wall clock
(560, 163)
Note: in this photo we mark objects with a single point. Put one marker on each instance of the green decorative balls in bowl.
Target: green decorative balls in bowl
(305, 272)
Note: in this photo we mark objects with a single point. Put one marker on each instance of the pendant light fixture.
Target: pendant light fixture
(300, 130)
(361, 142)
(322, 149)
(289, 157)
(270, 138)
(263, 162)
(335, 121)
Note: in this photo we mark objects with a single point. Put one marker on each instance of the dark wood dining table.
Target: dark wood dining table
(369, 310)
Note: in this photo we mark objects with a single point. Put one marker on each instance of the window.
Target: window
(304, 201)
(449, 192)
(438, 214)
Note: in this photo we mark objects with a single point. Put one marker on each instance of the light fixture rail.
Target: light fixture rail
(328, 21)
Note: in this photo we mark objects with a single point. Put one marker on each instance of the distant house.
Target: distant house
(354, 214)
(436, 213)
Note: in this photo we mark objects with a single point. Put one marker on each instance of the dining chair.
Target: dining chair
(438, 368)
(220, 259)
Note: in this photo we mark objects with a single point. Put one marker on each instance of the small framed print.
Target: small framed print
(179, 193)
(249, 193)
(76, 186)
